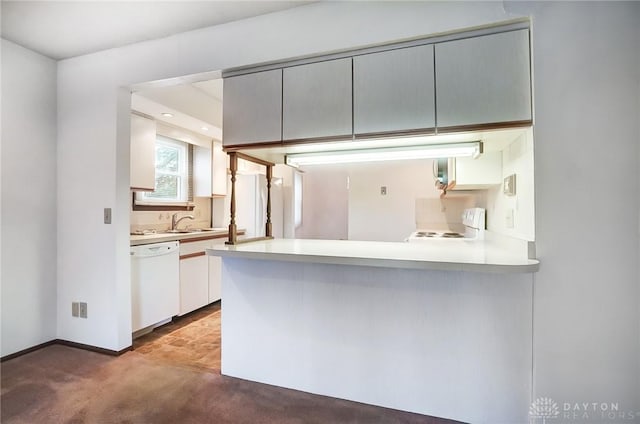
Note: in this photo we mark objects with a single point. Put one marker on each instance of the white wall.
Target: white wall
(586, 344)
(518, 159)
(390, 217)
(325, 203)
(585, 60)
(93, 173)
(28, 198)
(333, 211)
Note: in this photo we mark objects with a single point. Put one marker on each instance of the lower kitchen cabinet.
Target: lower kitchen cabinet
(200, 275)
(194, 275)
(215, 279)
(215, 274)
(194, 284)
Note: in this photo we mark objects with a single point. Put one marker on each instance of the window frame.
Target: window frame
(141, 201)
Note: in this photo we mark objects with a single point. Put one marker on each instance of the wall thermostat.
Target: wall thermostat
(510, 185)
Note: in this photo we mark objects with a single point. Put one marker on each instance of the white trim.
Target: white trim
(182, 173)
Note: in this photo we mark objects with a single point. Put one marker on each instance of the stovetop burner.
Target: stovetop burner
(433, 234)
(473, 221)
(452, 235)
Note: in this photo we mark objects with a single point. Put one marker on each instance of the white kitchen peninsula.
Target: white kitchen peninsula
(442, 329)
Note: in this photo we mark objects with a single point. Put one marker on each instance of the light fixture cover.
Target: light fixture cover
(426, 151)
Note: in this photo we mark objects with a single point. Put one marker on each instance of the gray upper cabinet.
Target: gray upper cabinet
(394, 90)
(316, 100)
(483, 80)
(252, 108)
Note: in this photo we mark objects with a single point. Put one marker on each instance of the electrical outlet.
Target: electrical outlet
(107, 215)
(383, 190)
(83, 309)
(509, 218)
(75, 307)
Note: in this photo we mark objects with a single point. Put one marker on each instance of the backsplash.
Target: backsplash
(161, 220)
(445, 214)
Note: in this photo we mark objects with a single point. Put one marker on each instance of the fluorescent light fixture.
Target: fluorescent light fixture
(426, 151)
(167, 114)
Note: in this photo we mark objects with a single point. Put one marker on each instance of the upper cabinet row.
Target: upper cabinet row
(452, 85)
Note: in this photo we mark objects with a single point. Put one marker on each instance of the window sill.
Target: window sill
(159, 206)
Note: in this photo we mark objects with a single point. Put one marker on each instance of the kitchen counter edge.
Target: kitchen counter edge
(380, 254)
(138, 240)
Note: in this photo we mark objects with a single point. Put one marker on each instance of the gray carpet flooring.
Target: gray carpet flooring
(60, 384)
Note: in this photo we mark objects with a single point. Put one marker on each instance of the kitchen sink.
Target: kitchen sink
(182, 231)
(194, 230)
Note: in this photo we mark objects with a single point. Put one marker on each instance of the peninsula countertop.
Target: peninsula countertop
(449, 255)
(212, 233)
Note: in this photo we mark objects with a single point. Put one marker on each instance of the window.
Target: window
(172, 186)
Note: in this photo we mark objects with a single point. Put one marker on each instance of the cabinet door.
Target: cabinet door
(480, 173)
(202, 171)
(219, 170)
(483, 80)
(194, 283)
(252, 108)
(143, 154)
(394, 90)
(215, 273)
(215, 279)
(317, 100)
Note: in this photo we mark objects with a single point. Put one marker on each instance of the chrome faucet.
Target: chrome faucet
(175, 221)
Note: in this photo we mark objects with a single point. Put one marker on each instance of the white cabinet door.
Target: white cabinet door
(394, 90)
(209, 171)
(317, 100)
(143, 154)
(480, 173)
(215, 278)
(194, 283)
(215, 273)
(219, 170)
(483, 80)
(194, 275)
(252, 106)
(202, 171)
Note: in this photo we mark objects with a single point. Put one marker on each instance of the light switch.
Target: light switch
(107, 215)
(383, 190)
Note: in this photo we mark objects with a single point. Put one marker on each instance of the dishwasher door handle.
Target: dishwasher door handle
(151, 250)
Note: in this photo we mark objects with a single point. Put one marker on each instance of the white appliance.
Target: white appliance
(251, 205)
(473, 220)
(155, 284)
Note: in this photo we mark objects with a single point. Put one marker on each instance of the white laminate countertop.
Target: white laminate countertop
(137, 240)
(448, 255)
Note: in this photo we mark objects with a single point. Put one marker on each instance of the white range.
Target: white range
(473, 220)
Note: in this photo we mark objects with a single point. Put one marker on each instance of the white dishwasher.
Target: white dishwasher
(155, 284)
